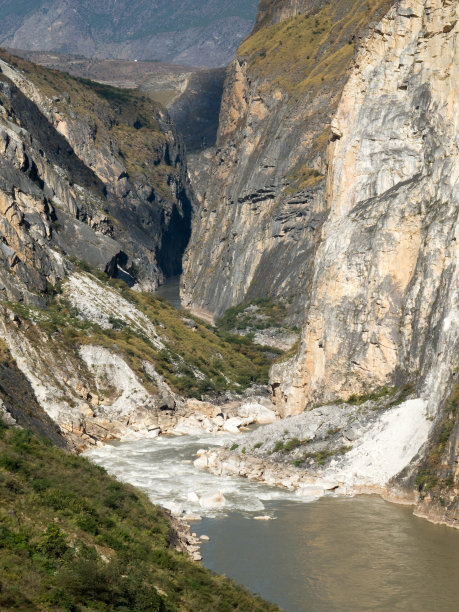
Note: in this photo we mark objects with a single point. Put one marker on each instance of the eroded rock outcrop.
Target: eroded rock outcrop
(90, 172)
(255, 230)
(101, 362)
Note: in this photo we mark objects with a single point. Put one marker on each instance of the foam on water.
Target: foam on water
(163, 468)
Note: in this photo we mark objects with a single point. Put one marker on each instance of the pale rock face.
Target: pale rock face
(383, 298)
(255, 231)
(97, 303)
(5, 415)
(108, 366)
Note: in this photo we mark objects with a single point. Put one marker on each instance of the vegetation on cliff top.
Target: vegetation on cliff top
(117, 117)
(307, 52)
(307, 57)
(73, 538)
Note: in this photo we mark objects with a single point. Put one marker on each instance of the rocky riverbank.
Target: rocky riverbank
(341, 449)
(184, 417)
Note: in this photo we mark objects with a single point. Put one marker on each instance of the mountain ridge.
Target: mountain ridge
(191, 33)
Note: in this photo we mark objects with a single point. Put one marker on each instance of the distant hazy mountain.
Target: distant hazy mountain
(193, 32)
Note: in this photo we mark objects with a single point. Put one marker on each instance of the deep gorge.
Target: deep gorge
(314, 242)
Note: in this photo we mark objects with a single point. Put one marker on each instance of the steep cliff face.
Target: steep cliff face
(384, 286)
(370, 258)
(100, 174)
(382, 306)
(255, 230)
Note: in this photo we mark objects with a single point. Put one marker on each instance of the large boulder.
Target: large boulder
(257, 413)
(212, 500)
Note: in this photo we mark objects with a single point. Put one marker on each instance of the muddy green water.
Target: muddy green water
(339, 555)
(170, 291)
(332, 554)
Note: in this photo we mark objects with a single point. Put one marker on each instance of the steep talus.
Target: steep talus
(101, 171)
(100, 361)
(255, 230)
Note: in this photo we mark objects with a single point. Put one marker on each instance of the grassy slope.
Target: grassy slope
(307, 57)
(227, 362)
(305, 51)
(73, 538)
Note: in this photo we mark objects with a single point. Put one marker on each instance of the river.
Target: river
(170, 291)
(343, 554)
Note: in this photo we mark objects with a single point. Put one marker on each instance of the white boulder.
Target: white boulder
(213, 500)
(232, 425)
(257, 413)
(201, 462)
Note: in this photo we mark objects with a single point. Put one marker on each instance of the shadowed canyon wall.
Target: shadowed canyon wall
(255, 230)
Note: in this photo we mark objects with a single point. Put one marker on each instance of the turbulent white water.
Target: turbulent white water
(163, 467)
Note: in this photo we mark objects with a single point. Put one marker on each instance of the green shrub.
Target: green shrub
(20, 440)
(292, 444)
(67, 510)
(10, 463)
(88, 523)
(53, 543)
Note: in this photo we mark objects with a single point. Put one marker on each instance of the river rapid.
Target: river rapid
(340, 554)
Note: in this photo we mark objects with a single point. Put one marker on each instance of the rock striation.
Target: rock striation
(87, 172)
(376, 279)
(382, 301)
(256, 228)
